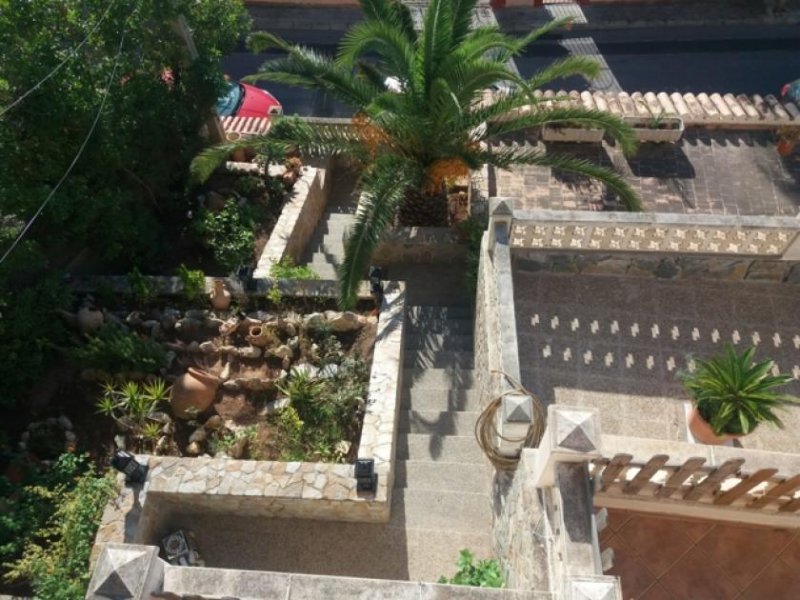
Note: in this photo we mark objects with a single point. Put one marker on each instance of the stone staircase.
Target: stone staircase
(325, 249)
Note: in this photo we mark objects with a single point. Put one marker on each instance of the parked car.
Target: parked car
(791, 91)
(243, 100)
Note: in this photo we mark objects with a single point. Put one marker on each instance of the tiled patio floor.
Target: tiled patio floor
(618, 343)
(661, 558)
(735, 173)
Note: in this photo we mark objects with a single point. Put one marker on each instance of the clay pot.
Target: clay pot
(89, 319)
(289, 178)
(219, 296)
(260, 336)
(193, 392)
(785, 147)
(702, 431)
(238, 155)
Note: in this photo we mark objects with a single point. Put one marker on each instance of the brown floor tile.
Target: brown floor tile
(778, 581)
(696, 577)
(791, 554)
(618, 518)
(743, 552)
(633, 574)
(696, 529)
(657, 541)
(657, 592)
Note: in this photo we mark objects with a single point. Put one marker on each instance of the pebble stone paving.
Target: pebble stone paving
(619, 344)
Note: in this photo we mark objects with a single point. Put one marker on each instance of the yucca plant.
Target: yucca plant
(421, 120)
(734, 394)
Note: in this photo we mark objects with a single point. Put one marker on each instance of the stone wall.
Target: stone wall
(521, 530)
(423, 245)
(298, 219)
(272, 488)
(660, 266)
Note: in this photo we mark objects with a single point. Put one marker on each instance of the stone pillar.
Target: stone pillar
(126, 572)
(572, 436)
(514, 420)
(501, 214)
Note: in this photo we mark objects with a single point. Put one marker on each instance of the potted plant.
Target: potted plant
(658, 128)
(571, 133)
(733, 395)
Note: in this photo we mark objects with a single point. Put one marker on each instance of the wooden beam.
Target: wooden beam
(711, 483)
(676, 480)
(784, 488)
(745, 486)
(642, 478)
(617, 465)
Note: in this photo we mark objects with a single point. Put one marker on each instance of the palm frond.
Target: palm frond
(207, 161)
(393, 48)
(565, 67)
(534, 35)
(390, 11)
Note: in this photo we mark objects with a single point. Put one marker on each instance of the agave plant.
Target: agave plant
(733, 394)
(421, 116)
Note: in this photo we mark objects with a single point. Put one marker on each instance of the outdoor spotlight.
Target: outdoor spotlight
(180, 549)
(245, 275)
(125, 462)
(366, 477)
(376, 285)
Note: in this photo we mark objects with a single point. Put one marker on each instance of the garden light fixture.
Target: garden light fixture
(366, 478)
(125, 462)
(376, 285)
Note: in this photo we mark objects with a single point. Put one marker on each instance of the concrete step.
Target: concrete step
(326, 272)
(452, 477)
(448, 448)
(441, 511)
(438, 359)
(437, 341)
(459, 311)
(439, 379)
(324, 257)
(440, 326)
(437, 400)
(459, 423)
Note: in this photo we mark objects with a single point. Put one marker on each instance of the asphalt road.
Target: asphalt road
(687, 59)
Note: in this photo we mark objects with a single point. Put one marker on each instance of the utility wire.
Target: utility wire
(61, 64)
(52, 193)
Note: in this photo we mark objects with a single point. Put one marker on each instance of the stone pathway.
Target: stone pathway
(713, 172)
(618, 344)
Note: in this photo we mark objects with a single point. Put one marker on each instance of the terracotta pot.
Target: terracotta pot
(785, 147)
(89, 319)
(238, 155)
(193, 392)
(289, 178)
(702, 431)
(220, 297)
(260, 336)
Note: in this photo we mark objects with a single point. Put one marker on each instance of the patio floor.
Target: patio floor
(716, 172)
(662, 558)
(618, 344)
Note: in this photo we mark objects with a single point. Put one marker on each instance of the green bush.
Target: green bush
(286, 269)
(194, 283)
(55, 556)
(114, 351)
(142, 289)
(486, 573)
(228, 233)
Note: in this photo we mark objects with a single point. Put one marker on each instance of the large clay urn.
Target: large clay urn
(89, 319)
(702, 431)
(220, 297)
(193, 392)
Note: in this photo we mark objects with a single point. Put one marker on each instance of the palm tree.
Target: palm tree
(421, 120)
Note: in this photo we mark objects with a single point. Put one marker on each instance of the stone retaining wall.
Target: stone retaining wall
(298, 220)
(662, 267)
(272, 488)
(423, 245)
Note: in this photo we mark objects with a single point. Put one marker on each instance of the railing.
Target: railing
(739, 485)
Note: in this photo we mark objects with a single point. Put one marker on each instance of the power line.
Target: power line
(52, 193)
(61, 64)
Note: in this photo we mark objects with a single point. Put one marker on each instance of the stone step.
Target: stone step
(437, 341)
(460, 423)
(437, 400)
(440, 326)
(441, 511)
(440, 379)
(437, 448)
(438, 359)
(337, 217)
(325, 256)
(452, 477)
(326, 272)
(462, 311)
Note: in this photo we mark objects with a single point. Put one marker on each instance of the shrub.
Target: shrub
(141, 288)
(249, 185)
(55, 558)
(114, 351)
(133, 404)
(486, 573)
(228, 233)
(194, 283)
(286, 269)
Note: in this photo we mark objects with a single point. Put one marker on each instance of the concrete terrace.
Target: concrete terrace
(618, 344)
(708, 171)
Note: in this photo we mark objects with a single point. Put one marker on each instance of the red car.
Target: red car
(243, 100)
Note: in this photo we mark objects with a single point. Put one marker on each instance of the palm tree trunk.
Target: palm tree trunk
(422, 210)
